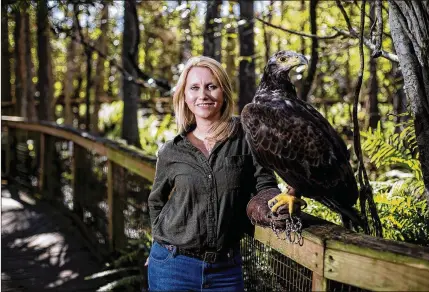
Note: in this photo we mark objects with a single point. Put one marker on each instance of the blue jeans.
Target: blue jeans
(170, 272)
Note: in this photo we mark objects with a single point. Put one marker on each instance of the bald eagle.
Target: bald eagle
(290, 137)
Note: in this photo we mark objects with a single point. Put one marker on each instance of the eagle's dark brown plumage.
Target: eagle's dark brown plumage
(292, 138)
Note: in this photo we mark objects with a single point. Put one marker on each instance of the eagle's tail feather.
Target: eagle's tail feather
(349, 216)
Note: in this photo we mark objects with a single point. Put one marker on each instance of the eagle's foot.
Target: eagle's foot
(284, 199)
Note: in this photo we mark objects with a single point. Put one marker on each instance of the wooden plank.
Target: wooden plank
(385, 250)
(41, 161)
(310, 254)
(61, 133)
(141, 168)
(116, 197)
(318, 283)
(373, 274)
(134, 163)
(110, 201)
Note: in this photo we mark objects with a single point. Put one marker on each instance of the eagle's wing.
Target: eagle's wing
(298, 143)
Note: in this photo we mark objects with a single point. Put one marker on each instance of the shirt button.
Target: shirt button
(210, 176)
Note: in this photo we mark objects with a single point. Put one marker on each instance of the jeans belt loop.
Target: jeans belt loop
(171, 248)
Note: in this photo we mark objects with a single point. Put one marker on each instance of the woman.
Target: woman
(204, 179)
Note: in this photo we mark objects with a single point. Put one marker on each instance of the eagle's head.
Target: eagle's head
(280, 64)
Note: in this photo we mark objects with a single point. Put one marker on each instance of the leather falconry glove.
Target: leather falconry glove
(260, 214)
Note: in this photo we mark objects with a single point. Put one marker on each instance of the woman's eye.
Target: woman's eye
(194, 88)
(212, 87)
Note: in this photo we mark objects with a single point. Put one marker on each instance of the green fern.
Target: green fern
(399, 190)
(127, 268)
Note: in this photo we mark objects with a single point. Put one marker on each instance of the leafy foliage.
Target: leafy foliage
(399, 191)
(127, 272)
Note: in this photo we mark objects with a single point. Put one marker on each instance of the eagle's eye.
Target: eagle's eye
(282, 59)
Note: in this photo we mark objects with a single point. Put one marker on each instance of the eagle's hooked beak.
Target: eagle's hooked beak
(296, 60)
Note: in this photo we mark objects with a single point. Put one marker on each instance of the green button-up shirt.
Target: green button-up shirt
(200, 203)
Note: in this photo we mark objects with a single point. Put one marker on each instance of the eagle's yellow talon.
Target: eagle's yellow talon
(285, 199)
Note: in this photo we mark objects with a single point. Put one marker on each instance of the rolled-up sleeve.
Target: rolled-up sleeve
(161, 188)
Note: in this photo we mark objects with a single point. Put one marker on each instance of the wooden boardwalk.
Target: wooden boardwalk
(41, 250)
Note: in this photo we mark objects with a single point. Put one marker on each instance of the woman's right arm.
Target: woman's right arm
(161, 188)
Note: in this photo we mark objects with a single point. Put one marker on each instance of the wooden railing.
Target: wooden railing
(333, 254)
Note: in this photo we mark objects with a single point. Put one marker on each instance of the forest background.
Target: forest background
(109, 67)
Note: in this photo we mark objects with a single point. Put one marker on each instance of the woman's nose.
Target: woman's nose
(204, 92)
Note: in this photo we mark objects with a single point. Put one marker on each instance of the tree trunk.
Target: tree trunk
(130, 131)
(374, 113)
(399, 98)
(231, 44)
(409, 23)
(45, 81)
(212, 33)
(29, 86)
(186, 34)
(88, 54)
(279, 40)
(247, 52)
(70, 74)
(6, 93)
(308, 82)
(100, 76)
(267, 34)
(20, 69)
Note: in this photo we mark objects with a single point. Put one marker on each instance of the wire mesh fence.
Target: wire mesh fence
(265, 269)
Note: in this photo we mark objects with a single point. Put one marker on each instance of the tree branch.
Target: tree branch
(297, 32)
(161, 84)
(390, 56)
(346, 18)
(379, 30)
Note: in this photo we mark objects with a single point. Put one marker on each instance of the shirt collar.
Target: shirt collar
(183, 134)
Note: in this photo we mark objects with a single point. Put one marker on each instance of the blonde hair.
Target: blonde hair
(185, 118)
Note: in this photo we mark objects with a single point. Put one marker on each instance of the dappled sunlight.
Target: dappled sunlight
(41, 249)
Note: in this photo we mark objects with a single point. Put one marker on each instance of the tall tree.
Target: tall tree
(6, 92)
(212, 34)
(20, 68)
(231, 44)
(409, 24)
(267, 33)
(374, 113)
(100, 76)
(29, 86)
(71, 71)
(186, 33)
(130, 90)
(308, 81)
(247, 54)
(45, 79)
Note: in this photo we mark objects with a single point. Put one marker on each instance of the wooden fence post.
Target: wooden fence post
(41, 161)
(51, 176)
(116, 194)
(319, 283)
(80, 176)
(10, 167)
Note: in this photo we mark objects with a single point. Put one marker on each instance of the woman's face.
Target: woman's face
(203, 94)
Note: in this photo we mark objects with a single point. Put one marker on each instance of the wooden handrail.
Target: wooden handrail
(125, 156)
(330, 251)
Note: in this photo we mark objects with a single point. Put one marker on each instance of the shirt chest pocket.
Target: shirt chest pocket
(237, 169)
